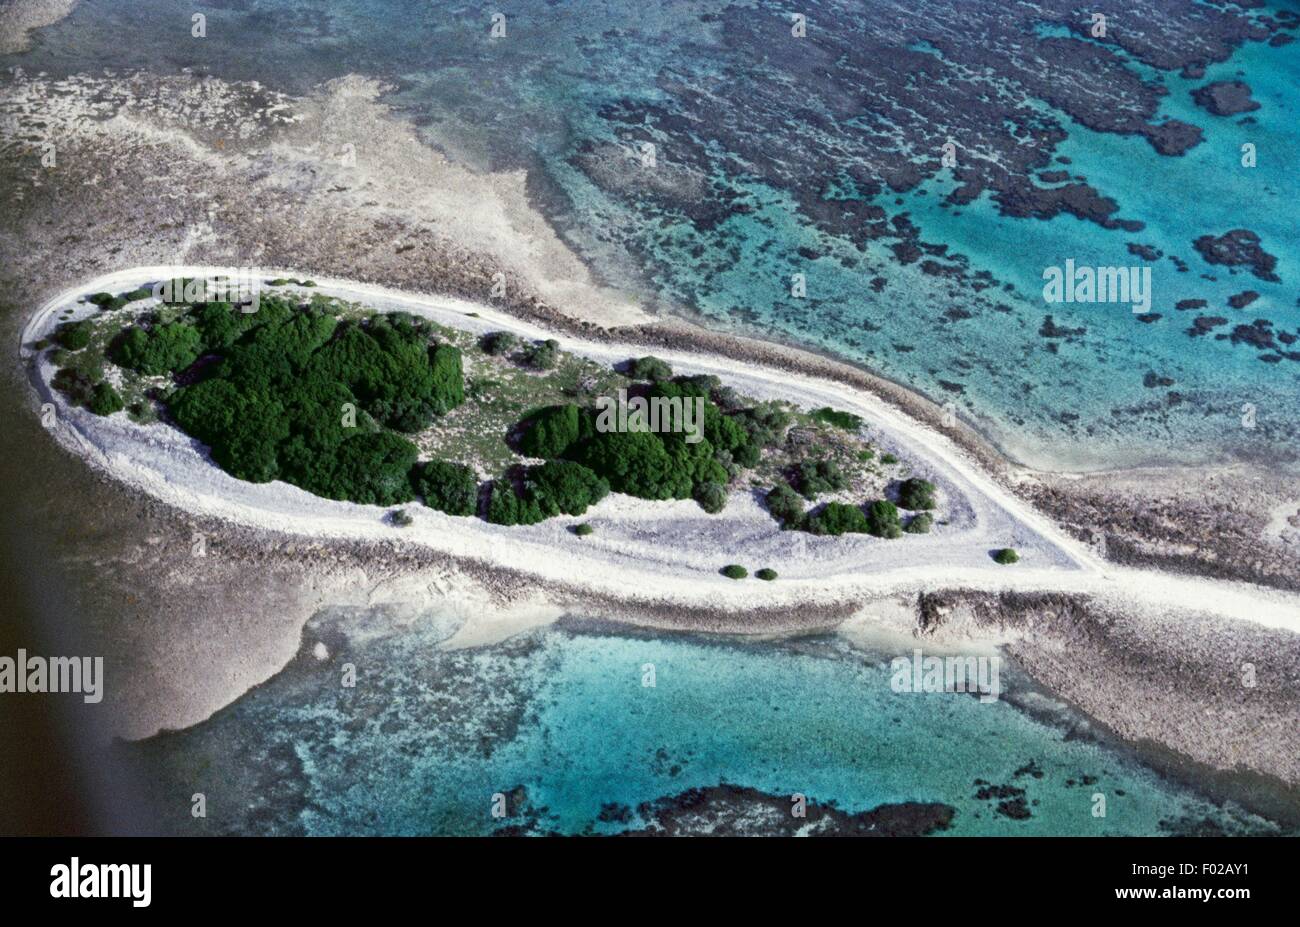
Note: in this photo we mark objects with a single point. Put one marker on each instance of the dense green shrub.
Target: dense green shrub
(636, 463)
(920, 524)
(542, 355)
(767, 573)
(162, 349)
(846, 420)
(837, 518)
(711, 496)
(110, 303)
(401, 518)
(549, 432)
(507, 507)
(1006, 556)
(300, 397)
(889, 459)
(916, 494)
(562, 486)
(74, 335)
(766, 424)
(74, 384)
(104, 399)
(583, 530)
(734, 571)
(649, 368)
(882, 519)
(819, 476)
(498, 343)
(785, 505)
(447, 487)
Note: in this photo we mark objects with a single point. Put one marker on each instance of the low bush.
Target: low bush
(920, 524)
(163, 349)
(650, 369)
(711, 496)
(734, 571)
(1006, 556)
(542, 355)
(785, 505)
(819, 476)
(447, 487)
(836, 518)
(916, 494)
(564, 487)
(508, 507)
(498, 343)
(882, 519)
(73, 335)
(583, 530)
(767, 573)
(549, 432)
(846, 420)
(104, 399)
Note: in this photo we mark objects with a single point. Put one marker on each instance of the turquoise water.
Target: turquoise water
(716, 229)
(427, 736)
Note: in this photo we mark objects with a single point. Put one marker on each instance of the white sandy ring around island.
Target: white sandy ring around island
(665, 553)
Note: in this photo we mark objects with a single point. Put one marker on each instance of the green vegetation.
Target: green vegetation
(498, 344)
(882, 519)
(542, 355)
(1006, 556)
(104, 400)
(920, 524)
(299, 396)
(163, 349)
(447, 487)
(846, 420)
(583, 530)
(649, 368)
(550, 432)
(565, 487)
(711, 496)
(888, 459)
(401, 518)
(786, 506)
(818, 476)
(98, 396)
(916, 494)
(74, 335)
(734, 571)
(767, 573)
(836, 518)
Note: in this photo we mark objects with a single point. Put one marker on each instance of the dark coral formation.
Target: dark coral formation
(1225, 97)
(1238, 248)
(729, 810)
